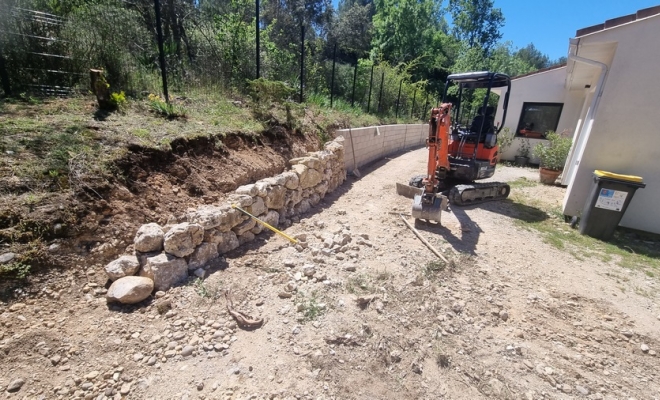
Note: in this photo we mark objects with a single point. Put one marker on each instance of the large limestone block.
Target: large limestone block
(308, 177)
(241, 200)
(262, 188)
(249, 190)
(210, 217)
(149, 238)
(277, 180)
(258, 227)
(309, 162)
(292, 182)
(224, 241)
(130, 289)
(182, 239)
(228, 242)
(245, 238)
(204, 253)
(244, 226)
(293, 197)
(276, 197)
(302, 207)
(314, 199)
(165, 270)
(272, 218)
(258, 207)
(321, 189)
(121, 267)
(337, 147)
(232, 217)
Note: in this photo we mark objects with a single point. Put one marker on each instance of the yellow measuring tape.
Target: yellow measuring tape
(267, 225)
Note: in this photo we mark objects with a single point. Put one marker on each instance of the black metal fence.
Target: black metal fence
(186, 47)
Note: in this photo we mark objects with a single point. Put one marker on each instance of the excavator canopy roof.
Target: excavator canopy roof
(479, 80)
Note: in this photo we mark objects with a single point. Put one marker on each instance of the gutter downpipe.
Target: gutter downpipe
(587, 124)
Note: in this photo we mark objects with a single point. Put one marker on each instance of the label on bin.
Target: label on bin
(611, 199)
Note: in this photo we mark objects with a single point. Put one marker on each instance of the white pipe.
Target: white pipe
(585, 130)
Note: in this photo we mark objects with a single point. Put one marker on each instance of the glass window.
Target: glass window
(537, 119)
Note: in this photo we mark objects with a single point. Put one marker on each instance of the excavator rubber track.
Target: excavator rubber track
(477, 193)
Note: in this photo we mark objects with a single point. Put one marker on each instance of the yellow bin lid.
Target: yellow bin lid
(612, 175)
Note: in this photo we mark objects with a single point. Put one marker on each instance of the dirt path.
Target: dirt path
(510, 316)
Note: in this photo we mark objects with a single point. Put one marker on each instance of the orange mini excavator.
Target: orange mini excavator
(460, 155)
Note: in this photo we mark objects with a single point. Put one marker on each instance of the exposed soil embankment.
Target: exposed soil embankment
(148, 185)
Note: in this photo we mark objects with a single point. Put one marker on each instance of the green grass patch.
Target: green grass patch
(309, 306)
(625, 249)
(358, 284)
(523, 182)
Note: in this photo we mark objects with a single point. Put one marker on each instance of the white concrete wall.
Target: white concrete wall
(625, 137)
(544, 87)
(376, 142)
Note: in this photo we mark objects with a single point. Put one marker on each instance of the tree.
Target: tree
(404, 30)
(476, 22)
(352, 30)
(285, 17)
(533, 56)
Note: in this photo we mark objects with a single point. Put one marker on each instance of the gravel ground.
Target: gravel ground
(360, 310)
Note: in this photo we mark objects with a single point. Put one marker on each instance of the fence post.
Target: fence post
(161, 51)
(257, 34)
(380, 96)
(426, 105)
(332, 80)
(398, 99)
(371, 82)
(302, 60)
(412, 110)
(354, 80)
(4, 77)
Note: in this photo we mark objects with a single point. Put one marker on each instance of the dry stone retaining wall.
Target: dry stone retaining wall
(376, 142)
(166, 255)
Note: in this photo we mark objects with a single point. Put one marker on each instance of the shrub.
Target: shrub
(554, 152)
(165, 109)
(264, 90)
(118, 100)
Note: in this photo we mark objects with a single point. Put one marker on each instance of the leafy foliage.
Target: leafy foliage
(211, 44)
(476, 22)
(554, 152)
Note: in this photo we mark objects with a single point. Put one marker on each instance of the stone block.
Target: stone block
(130, 289)
(204, 253)
(165, 270)
(149, 238)
(182, 239)
(121, 267)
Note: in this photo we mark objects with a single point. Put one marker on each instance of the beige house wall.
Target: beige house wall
(625, 136)
(544, 87)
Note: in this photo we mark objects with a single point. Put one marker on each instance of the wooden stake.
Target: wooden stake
(426, 242)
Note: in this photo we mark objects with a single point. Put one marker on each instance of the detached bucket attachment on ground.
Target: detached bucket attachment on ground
(428, 211)
(408, 191)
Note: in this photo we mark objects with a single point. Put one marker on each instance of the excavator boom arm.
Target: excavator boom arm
(438, 145)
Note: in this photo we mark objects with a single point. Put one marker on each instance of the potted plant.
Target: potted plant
(504, 141)
(522, 158)
(552, 154)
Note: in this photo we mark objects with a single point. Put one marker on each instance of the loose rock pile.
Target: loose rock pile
(165, 256)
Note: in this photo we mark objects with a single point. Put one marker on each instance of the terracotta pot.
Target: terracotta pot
(548, 176)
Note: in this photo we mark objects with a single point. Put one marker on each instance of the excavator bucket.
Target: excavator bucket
(408, 191)
(430, 212)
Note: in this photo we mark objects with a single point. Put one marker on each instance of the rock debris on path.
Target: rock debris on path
(359, 308)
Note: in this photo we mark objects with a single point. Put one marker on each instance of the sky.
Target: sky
(550, 23)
